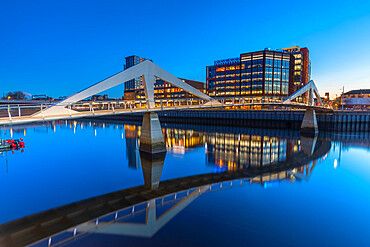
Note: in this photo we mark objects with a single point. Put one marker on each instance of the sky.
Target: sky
(61, 47)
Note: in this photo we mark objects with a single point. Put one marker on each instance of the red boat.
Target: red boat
(13, 143)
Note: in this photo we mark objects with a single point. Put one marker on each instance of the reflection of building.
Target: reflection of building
(225, 150)
(134, 89)
(234, 151)
(357, 99)
(132, 146)
(179, 138)
(229, 151)
(262, 73)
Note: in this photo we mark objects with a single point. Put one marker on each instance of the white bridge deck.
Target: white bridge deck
(91, 109)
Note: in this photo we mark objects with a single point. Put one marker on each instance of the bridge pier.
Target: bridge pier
(309, 124)
(151, 139)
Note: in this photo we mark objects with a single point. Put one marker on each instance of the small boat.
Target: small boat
(4, 145)
(11, 144)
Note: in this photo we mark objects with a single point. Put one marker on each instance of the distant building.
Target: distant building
(99, 97)
(326, 99)
(41, 97)
(165, 90)
(134, 89)
(357, 99)
(258, 74)
(132, 85)
(327, 96)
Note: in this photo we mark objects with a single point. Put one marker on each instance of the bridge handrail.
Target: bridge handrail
(169, 103)
(177, 100)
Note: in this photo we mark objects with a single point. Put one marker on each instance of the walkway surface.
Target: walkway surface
(91, 113)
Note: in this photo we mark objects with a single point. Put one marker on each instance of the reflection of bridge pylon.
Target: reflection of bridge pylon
(304, 172)
(152, 166)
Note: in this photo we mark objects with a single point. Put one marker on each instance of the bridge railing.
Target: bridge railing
(12, 111)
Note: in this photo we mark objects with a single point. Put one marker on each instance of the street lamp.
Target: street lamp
(342, 98)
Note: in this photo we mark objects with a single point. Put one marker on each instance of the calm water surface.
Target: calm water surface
(321, 202)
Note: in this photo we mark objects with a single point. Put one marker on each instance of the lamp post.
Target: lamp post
(342, 98)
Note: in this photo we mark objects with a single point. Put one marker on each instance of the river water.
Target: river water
(295, 191)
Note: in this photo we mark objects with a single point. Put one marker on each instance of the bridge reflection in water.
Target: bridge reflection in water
(239, 160)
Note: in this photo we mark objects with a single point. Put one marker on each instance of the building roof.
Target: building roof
(358, 91)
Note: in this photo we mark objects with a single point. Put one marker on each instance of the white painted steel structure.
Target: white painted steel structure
(74, 107)
(147, 69)
(309, 88)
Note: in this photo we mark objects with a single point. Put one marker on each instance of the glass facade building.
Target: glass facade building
(131, 86)
(257, 74)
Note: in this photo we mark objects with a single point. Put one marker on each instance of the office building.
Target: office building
(267, 73)
(132, 85)
(302, 66)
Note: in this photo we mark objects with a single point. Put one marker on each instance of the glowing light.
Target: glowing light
(11, 133)
(95, 133)
(335, 164)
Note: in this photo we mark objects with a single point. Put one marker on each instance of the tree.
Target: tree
(15, 95)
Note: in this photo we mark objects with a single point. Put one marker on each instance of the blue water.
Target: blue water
(65, 162)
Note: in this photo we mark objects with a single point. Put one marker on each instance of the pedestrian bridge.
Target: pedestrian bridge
(75, 106)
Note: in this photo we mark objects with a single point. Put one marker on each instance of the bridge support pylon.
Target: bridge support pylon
(309, 124)
(151, 139)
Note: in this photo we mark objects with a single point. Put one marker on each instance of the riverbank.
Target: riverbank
(339, 121)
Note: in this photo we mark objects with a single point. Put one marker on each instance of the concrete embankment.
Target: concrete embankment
(357, 121)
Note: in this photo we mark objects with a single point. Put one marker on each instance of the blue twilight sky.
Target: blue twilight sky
(60, 47)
